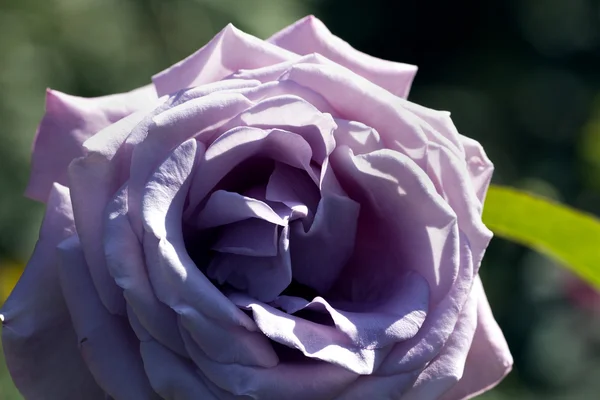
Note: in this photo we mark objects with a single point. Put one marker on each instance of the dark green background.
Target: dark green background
(520, 76)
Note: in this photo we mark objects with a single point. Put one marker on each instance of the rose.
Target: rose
(279, 224)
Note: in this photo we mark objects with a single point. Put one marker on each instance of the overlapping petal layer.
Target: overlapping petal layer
(282, 223)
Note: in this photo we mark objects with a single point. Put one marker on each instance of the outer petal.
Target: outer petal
(447, 368)
(479, 165)
(68, 122)
(489, 359)
(310, 35)
(229, 51)
(107, 343)
(39, 342)
(173, 377)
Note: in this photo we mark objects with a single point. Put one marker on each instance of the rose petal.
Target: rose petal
(263, 278)
(310, 35)
(102, 337)
(251, 237)
(242, 143)
(223, 207)
(39, 343)
(489, 347)
(227, 344)
(291, 113)
(67, 123)
(356, 98)
(203, 115)
(314, 380)
(403, 221)
(94, 179)
(359, 341)
(175, 278)
(356, 135)
(393, 319)
(270, 73)
(441, 322)
(230, 50)
(452, 180)
(126, 264)
(479, 166)
(285, 88)
(447, 368)
(294, 188)
(171, 376)
(320, 253)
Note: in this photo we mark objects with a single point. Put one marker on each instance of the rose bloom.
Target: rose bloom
(266, 220)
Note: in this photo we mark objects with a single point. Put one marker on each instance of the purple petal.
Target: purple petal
(479, 166)
(94, 179)
(263, 278)
(242, 143)
(294, 188)
(447, 368)
(310, 35)
(225, 207)
(251, 237)
(291, 113)
(229, 51)
(355, 98)
(404, 224)
(171, 376)
(313, 380)
(175, 278)
(171, 127)
(126, 264)
(320, 253)
(270, 73)
(356, 135)
(225, 343)
(489, 358)
(454, 184)
(102, 337)
(67, 123)
(38, 339)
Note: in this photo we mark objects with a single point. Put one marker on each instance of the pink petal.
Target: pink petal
(102, 337)
(68, 122)
(229, 51)
(39, 343)
(310, 35)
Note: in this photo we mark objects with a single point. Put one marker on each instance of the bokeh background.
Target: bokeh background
(520, 76)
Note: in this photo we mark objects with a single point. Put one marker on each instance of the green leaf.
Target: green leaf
(565, 234)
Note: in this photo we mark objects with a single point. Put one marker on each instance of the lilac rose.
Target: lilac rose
(266, 220)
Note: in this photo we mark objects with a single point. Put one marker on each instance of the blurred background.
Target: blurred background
(520, 76)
